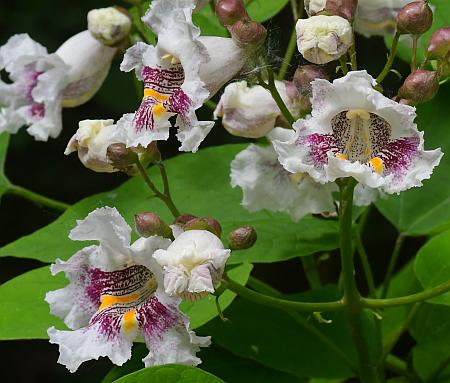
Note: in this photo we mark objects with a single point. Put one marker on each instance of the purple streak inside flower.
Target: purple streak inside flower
(178, 103)
(161, 86)
(36, 109)
(397, 155)
(154, 318)
(319, 146)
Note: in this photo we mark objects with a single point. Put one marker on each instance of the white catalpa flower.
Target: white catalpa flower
(43, 83)
(108, 25)
(321, 39)
(180, 73)
(115, 295)
(34, 97)
(267, 185)
(251, 111)
(377, 17)
(91, 141)
(193, 262)
(357, 132)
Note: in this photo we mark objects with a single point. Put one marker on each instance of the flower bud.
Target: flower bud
(242, 238)
(183, 219)
(420, 86)
(120, 156)
(415, 18)
(204, 223)
(321, 39)
(148, 224)
(231, 11)
(247, 32)
(109, 25)
(343, 8)
(439, 45)
(303, 77)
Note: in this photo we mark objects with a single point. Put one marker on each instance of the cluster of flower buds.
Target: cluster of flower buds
(188, 222)
(420, 86)
(148, 224)
(233, 15)
(439, 50)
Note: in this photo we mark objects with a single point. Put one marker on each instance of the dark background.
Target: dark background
(43, 168)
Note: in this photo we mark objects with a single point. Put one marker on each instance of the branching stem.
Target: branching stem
(390, 59)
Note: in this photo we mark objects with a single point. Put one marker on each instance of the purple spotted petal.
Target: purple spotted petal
(397, 155)
(319, 146)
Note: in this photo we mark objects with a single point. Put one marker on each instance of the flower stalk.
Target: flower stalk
(37, 198)
(165, 197)
(352, 299)
(390, 59)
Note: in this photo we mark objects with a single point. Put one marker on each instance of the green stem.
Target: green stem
(390, 59)
(414, 54)
(211, 105)
(399, 367)
(37, 198)
(162, 196)
(393, 339)
(392, 264)
(365, 263)
(438, 370)
(368, 372)
(352, 52)
(266, 289)
(343, 62)
(311, 271)
(284, 304)
(294, 10)
(407, 299)
(292, 46)
(270, 86)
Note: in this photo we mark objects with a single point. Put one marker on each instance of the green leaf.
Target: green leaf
(208, 23)
(431, 330)
(233, 369)
(171, 373)
(426, 210)
(200, 185)
(25, 314)
(432, 265)
(4, 141)
(135, 13)
(280, 341)
(441, 19)
(263, 10)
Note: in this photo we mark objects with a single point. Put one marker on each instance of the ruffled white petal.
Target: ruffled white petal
(108, 227)
(76, 347)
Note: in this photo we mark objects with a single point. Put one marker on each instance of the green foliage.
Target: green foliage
(170, 373)
(208, 22)
(25, 314)
(426, 210)
(441, 19)
(278, 340)
(4, 141)
(432, 265)
(200, 185)
(431, 331)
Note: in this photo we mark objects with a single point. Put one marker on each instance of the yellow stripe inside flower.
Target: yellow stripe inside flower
(377, 164)
(129, 320)
(155, 94)
(109, 300)
(342, 156)
(158, 110)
